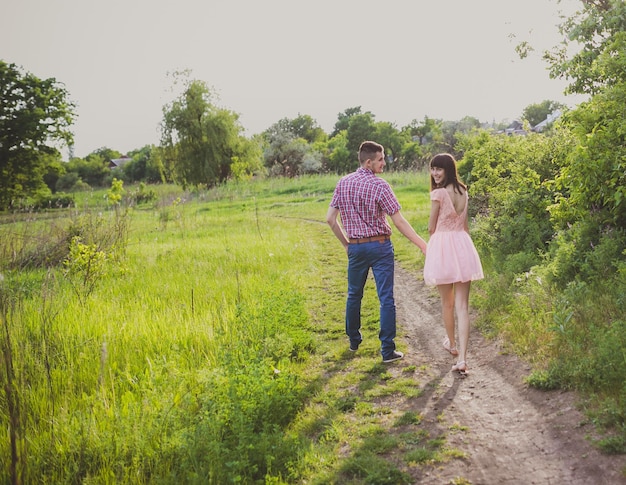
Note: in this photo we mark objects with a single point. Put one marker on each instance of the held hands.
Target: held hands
(424, 249)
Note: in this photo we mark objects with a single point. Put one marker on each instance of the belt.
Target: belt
(384, 237)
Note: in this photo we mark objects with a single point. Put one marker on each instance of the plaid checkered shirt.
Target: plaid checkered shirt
(364, 200)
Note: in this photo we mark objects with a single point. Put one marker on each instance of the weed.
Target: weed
(542, 379)
(460, 481)
(372, 470)
(421, 455)
(408, 418)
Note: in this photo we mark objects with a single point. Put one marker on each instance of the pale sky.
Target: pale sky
(272, 59)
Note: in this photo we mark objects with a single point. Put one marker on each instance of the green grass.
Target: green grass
(213, 351)
(211, 347)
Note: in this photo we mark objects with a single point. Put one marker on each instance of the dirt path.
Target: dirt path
(514, 434)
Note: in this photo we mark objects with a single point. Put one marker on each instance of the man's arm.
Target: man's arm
(331, 219)
(407, 231)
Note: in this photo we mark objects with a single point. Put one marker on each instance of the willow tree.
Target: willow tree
(201, 141)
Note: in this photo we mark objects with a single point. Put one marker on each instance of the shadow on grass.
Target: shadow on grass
(378, 433)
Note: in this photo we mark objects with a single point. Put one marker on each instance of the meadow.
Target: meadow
(192, 340)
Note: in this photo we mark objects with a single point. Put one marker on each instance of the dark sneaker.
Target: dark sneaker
(393, 357)
(354, 347)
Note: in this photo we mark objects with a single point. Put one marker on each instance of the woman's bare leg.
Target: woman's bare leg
(461, 305)
(446, 292)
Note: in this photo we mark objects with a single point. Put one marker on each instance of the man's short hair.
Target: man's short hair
(368, 150)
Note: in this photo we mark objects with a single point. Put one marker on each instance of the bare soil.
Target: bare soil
(510, 433)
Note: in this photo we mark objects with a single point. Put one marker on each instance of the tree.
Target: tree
(536, 113)
(304, 126)
(600, 29)
(428, 135)
(361, 127)
(392, 139)
(287, 152)
(343, 119)
(340, 159)
(202, 141)
(590, 212)
(427, 131)
(34, 115)
(412, 156)
(143, 166)
(451, 131)
(94, 169)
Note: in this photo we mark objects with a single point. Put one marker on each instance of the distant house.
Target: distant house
(539, 127)
(115, 163)
(515, 128)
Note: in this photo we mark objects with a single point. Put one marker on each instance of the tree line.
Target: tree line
(202, 144)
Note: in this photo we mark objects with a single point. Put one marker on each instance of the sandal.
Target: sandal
(460, 367)
(446, 346)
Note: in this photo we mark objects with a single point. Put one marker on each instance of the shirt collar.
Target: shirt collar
(365, 170)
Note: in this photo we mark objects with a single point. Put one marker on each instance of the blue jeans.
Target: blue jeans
(379, 256)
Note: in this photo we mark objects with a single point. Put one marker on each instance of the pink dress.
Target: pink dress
(451, 256)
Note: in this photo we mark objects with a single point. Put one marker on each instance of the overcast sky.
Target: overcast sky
(270, 59)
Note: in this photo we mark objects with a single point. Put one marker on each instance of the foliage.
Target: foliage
(392, 139)
(143, 166)
(340, 160)
(56, 201)
(452, 131)
(593, 179)
(360, 127)
(538, 112)
(84, 266)
(35, 114)
(114, 194)
(288, 154)
(598, 31)
(426, 140)
(510, 183)
(343, 120)
(373, 470)
(142, 194)
(563, 304)
(303, 126)
(202, 141)
(92, 170)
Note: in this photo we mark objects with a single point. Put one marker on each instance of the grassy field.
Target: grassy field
(197, 339)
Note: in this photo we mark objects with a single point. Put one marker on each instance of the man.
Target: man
(363, 201)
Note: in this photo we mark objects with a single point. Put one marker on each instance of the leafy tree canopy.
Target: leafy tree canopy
(361, 127)
(34, 115)
(290, 146)
(343, 119)
(202, 141)
(598, 35)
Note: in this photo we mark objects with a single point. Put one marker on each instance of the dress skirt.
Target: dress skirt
(450, 258)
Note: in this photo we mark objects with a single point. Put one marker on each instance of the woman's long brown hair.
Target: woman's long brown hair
(448, 163)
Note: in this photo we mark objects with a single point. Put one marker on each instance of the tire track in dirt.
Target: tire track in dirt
(515, 434)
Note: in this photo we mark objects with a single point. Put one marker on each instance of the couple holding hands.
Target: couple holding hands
(358, 217)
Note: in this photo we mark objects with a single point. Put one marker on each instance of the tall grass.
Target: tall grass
(184, 362)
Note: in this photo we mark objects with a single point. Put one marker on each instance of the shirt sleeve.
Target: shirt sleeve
(334, 202)
(436, 194)
(388, 200)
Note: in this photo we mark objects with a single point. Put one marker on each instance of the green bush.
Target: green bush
(510, 185)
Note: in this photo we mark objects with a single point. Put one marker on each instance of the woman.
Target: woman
(452, 262)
